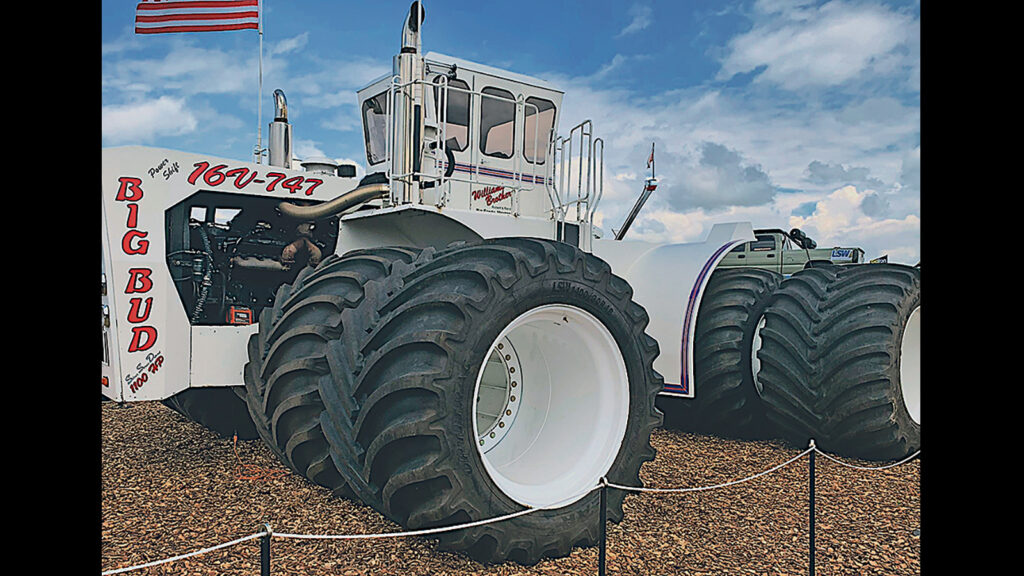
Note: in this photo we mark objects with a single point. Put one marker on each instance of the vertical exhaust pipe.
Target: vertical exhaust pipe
(408, 67)
(280, 144)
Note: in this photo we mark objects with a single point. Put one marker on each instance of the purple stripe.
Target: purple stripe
(685, 386)
(469, 168)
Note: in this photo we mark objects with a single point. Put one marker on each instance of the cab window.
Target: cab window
(538, 124)
(375, 129)
(764, 243)
(497, 122)
(457, 125)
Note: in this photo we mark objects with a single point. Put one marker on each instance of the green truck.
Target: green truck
(787, 252)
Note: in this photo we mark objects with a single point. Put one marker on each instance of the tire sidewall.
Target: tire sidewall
(526, 294)
(749, 382)
(910, 429)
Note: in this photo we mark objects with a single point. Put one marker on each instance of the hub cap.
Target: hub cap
(551, 405)
(910, 365)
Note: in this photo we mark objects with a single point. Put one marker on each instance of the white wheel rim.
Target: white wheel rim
(566, 417)
(910, 365)
(755, 362)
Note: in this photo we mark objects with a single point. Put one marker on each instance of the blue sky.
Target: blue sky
(785, 113)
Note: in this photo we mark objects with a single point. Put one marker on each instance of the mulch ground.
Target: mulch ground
(170, 487)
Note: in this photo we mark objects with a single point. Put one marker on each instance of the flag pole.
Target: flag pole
(259, 97)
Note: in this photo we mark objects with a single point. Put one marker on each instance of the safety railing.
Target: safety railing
(266, 534)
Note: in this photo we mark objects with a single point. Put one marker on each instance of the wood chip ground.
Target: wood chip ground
(170, 486)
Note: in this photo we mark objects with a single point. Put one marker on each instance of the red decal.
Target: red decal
(134, 316)
(498, 197)
(156, 364)
(130, 189)
(133, 215)
(139, 281)
(277, 176)
(314, 183)
(139, 343)
(239, 174)
(200, 168)
(139, 382)
(292, 184)
(214, 176)
(487, 191)
(140, 248)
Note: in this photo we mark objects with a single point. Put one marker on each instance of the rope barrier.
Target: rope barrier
(437, 530)
(715, 486)
(183, 556)
(269, 533)
(855, 467)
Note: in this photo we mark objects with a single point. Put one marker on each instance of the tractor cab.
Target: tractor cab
(487, 135)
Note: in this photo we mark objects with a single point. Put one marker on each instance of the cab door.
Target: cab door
(497, 117)
(764, 253)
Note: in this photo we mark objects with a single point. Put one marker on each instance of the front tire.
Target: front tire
(405, 425)
(288, 357)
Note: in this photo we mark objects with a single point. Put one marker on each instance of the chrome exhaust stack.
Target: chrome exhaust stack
(408, 106)
(280, 143)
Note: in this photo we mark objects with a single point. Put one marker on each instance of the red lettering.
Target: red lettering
(200, 167)
(140, 248)
(214, 177)
(277, 176)
(130, 189)
(138, 281)
(315, 182)
(239, 174)
(134, 316)
(137, 344)
(133, 215)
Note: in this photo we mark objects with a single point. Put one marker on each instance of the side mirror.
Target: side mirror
(347, 171)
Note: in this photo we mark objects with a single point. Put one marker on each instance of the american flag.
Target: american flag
(166, 16)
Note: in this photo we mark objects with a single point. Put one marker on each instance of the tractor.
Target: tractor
(447, 339)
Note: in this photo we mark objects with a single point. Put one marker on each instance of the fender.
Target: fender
(669, 280)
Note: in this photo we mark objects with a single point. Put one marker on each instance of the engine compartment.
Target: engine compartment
(228, 253)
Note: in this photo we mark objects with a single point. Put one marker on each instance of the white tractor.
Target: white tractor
(447, 340)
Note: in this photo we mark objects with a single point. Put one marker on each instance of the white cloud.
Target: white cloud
(290, 44)
(839, 220)
(824, 47)
(641, 19)
(147, 120)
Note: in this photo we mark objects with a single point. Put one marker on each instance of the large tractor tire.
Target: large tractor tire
(840, 360)
(222, 410)
(489, 378)
(288, 358)
(727, 400)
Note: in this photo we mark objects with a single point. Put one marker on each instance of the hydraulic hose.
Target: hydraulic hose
(340, 204)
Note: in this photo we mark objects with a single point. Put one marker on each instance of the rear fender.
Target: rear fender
(669, 280)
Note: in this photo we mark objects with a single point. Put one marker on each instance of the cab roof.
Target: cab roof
(475, 67)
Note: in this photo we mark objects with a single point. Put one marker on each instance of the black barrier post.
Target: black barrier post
(265, 551)
(601, 529)
(812, 508)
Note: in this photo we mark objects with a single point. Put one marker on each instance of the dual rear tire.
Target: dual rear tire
(402, 388)
(840, 360)
(727, 402)
(831, 353)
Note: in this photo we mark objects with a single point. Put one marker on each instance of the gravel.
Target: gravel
(170, 487)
